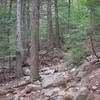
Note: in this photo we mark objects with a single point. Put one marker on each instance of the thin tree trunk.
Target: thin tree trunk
(78, 2)
(28, 27)
(9, 17)
(69, 11)
(50, 34)
(19, 53)
(93, 48)
(34, 17)
(57, 25)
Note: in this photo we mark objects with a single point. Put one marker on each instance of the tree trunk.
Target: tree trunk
(78, 4)
(57, 35)
(34, 17)
(69, 11)
(50, 34)
(19, 52)
(9, 17)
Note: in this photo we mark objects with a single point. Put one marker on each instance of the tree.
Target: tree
(50, 35)
(34, 17)
(69, 11)
(57, 37)
(19, 52)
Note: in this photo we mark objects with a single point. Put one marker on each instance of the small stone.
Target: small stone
(26, 71)
(80, 75)
(94, 88)
(27, 79)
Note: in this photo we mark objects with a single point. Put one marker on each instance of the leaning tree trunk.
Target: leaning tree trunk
(34, 17)
(19, 52)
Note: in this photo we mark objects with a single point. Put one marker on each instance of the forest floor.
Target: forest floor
(58, 82)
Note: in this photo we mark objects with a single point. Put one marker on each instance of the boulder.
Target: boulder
(32, 87)
(53, 80)
(78, 93)
(83, 94)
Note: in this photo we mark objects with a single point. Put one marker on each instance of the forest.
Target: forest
(49, 49)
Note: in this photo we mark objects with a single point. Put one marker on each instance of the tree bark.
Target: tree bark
(19, 52)
(57, 37)
(9, 17)
(34, 17)
(69, 11)
(50, 34)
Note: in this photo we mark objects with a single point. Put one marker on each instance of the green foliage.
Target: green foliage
(77, 53)
(84, 21)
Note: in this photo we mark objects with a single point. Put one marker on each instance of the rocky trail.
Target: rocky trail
(58, 82)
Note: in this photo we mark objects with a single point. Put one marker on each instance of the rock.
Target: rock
(68, 97)
(42, 52)
(47, 72)
(59, 80)
(70, 94)
(21, 98)
(23, 93)
(47, 92)
(44, 69)
(98, 53)
(3, 92)
(74, 71)
(53, 80)
(91, 97)
(92, 59)
(94, 88)
(17, 96)
(78, 93)
(37, 82)
(98, 91)
(60, 67)
(59, 98)
(80, 75)
(83, 94)
(50, 91)
(32, 87)
(48, 81)
(27, 79)
(26, 71)
(10, 98)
